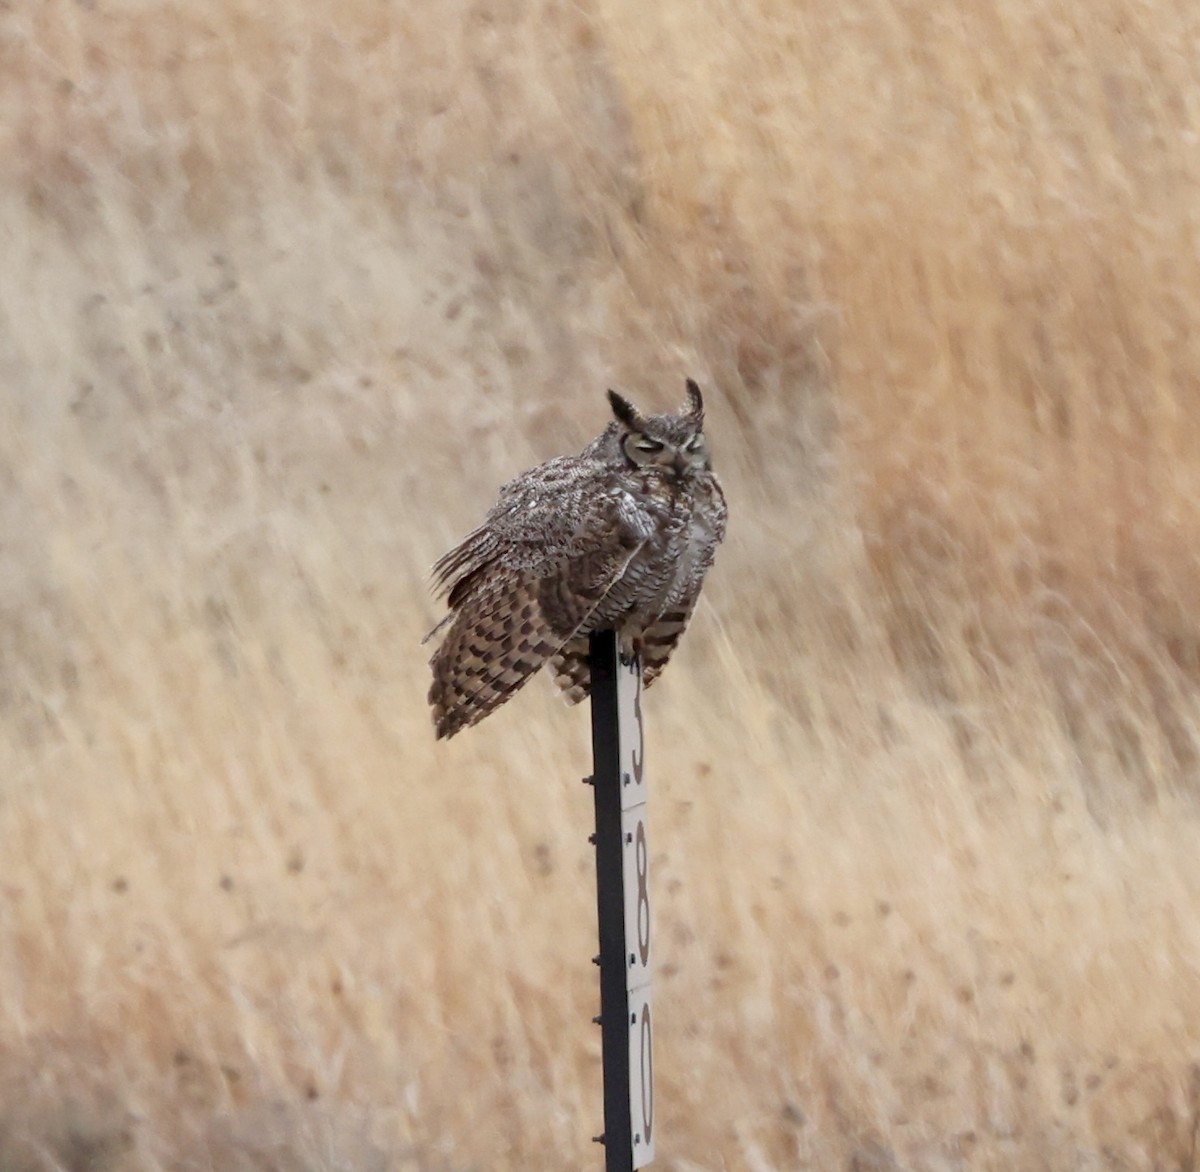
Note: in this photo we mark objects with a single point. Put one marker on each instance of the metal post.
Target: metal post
(623, 906)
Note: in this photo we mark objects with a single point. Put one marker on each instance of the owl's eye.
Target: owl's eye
(646, 444)
(694, 444)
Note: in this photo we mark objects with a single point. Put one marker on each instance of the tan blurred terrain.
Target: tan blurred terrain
(287, 290)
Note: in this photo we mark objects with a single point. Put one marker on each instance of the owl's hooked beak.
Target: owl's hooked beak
(680, 464)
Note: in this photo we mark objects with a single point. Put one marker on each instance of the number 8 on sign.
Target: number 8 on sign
(635, 857)
(641, 862)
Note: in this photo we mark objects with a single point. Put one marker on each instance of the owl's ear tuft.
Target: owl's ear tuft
(626, 412)
(695, 408)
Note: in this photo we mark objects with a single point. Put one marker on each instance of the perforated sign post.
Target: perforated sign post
(623, 906)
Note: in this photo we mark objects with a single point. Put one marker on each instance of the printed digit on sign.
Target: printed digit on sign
(639, 754)
(642, 856)
(641, 1082)
(646, 1050)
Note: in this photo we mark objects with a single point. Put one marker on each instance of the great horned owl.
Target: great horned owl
(619, 537)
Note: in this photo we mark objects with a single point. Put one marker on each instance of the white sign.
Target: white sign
(635, 863)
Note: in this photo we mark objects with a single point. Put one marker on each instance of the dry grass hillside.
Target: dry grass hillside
(287, 290)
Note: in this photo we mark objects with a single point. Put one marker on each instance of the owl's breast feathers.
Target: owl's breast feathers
(683, 521)
(662, 508)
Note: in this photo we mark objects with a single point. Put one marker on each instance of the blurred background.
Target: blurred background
(289, 289)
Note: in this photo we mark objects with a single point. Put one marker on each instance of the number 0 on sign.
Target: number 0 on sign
(635, 857)
(641, 1076)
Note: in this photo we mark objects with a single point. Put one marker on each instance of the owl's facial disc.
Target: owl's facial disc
(676, 459)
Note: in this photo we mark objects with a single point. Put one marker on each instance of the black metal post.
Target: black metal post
(610, 903)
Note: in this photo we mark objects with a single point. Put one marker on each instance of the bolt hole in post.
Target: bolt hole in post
(623, 905)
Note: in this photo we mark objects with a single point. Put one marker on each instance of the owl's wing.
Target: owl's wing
(514, 605)
(503, 634)
(543, 517)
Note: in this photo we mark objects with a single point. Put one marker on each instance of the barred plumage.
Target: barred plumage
(619, 536)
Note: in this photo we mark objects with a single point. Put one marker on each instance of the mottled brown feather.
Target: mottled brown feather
(508, 625)
(491, 649)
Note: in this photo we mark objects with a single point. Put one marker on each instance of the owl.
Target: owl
(619, 536)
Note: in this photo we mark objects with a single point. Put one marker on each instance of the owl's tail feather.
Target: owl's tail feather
(498, 639)
(571, 664)
(660, 639)
(572, 669)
